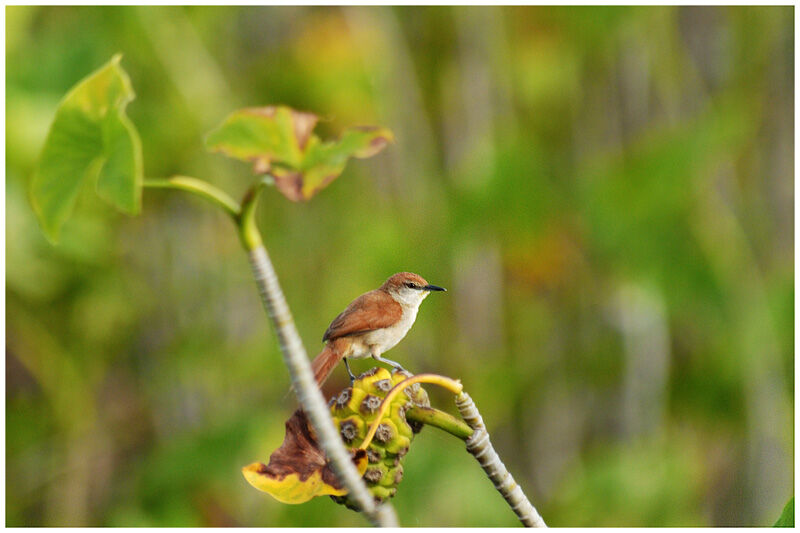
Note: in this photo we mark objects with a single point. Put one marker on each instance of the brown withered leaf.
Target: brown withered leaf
(299, 470)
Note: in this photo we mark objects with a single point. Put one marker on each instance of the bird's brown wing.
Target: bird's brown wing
(370, 311)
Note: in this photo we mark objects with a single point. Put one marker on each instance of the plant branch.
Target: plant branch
(199, 187)
(296, 359)
(481, 448)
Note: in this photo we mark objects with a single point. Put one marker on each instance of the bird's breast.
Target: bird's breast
(386, 338)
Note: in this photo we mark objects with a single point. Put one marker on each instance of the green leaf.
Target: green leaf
(90, 138)
(787, 516)
(279, 141)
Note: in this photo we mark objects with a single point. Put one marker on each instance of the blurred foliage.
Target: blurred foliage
(787, 516)
(607, 194)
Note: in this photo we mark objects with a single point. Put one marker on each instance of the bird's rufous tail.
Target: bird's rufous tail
(324, 363)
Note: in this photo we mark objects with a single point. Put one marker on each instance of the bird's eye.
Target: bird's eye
(411, 285)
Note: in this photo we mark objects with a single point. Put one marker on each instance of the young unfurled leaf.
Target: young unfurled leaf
(298, 470)
(279, 141)
(90, 138)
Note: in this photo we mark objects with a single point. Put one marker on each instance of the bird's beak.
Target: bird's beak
(434, 288)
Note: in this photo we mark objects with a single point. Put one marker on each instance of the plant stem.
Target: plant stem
(296, 359)
(481, 448)
(199, 187)
(246, 221)
(440, 419)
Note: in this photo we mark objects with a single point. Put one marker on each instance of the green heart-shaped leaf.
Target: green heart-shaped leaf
(90, 138)
(279, 141)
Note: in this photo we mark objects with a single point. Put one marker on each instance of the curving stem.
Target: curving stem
(199, 187)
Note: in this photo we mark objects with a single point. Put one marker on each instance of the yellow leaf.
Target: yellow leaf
(291, 488)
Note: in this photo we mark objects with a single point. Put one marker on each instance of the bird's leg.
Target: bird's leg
(347, 365)
(377, 357)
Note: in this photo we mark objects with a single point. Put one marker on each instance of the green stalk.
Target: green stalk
(246, 221)
(199, 187)
(440, 419)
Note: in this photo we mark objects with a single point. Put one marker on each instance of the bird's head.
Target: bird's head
(409, 288)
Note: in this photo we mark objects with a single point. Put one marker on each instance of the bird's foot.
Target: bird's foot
(395, 364)
(352, 376)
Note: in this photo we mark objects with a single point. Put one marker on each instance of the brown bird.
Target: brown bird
(372, 324)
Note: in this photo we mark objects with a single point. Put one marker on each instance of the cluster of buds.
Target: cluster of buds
(355, 411)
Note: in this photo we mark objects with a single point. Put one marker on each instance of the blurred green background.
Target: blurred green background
(607, 193)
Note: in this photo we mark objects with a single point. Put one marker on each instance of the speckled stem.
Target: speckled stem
(480, 446)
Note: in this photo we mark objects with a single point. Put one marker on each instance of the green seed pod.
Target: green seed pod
(352, 429)
(355, 410)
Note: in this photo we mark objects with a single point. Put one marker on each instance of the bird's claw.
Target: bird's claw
(395, 364)
(352, 376)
